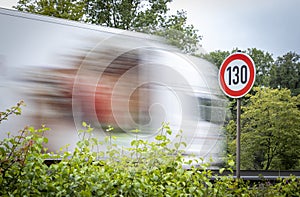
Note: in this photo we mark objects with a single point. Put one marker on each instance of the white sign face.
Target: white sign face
(237, 75)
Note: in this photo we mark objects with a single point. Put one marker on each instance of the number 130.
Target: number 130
(237, 74)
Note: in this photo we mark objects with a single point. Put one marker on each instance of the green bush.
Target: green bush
(144, 169)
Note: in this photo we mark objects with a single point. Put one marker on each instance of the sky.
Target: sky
(270, 25)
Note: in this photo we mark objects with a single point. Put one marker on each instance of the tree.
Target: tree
(126, 14)
(179, 34)
(147, 16)
(216, 57)
(286, 73)
(67, 9)
(270, 131)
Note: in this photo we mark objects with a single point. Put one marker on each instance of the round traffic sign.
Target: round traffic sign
(237, 75)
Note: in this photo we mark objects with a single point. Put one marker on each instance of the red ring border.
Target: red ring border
(249, 62)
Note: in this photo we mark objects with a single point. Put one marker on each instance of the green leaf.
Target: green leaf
(231, 163)
(221, 170)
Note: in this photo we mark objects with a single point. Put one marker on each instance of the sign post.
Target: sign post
(238, 137)
(236, 78)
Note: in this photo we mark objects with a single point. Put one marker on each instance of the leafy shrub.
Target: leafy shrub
(144, 169)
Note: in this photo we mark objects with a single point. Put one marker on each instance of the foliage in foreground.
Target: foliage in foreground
(146, 169)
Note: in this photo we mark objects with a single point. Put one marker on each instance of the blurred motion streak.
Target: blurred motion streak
(69, 72)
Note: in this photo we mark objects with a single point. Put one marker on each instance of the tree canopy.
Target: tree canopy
(270, 130)
(286, 73)
(147, 16)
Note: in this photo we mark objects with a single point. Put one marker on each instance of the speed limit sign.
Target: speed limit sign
(237, 75)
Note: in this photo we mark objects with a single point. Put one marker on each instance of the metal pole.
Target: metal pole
(238, 136)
